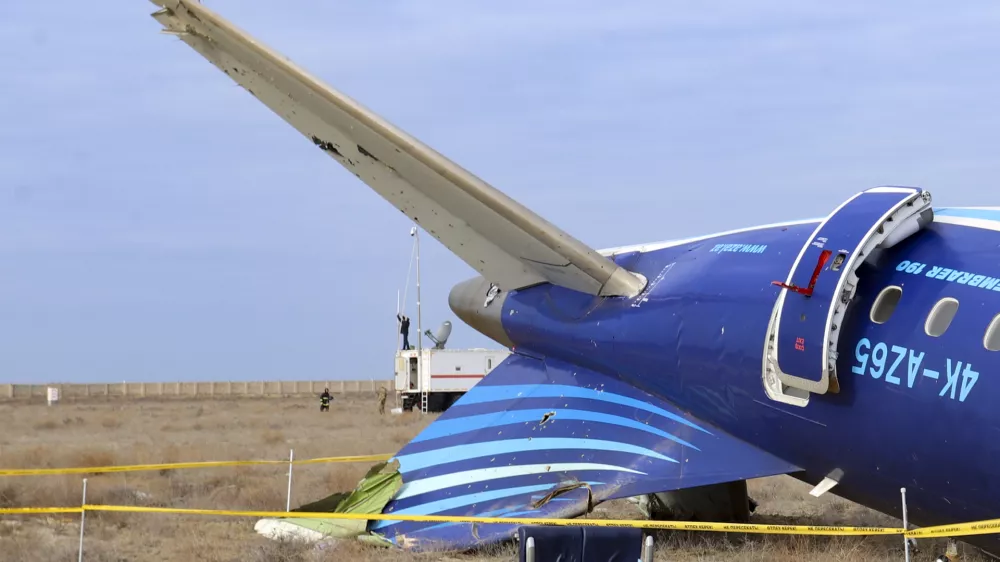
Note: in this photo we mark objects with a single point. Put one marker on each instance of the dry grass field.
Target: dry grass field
(156, 431)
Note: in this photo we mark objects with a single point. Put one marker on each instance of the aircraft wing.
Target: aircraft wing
(504, 241)
(539, 438)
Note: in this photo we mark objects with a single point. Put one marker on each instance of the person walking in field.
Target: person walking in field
(324, 400)
(382, 394)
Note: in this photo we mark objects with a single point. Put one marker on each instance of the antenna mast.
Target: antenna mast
(420, 329)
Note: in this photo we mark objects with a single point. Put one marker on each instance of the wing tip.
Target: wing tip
(590, 273)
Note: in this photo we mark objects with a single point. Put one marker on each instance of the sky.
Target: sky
(157, 223)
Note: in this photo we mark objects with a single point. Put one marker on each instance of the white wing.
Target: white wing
(507, 243)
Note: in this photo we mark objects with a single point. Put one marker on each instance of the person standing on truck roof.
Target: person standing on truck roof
(324, 400)
(382, 393)
(404, 328)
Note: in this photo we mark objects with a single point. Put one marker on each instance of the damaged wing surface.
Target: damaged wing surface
(540, 438)
(506, 242)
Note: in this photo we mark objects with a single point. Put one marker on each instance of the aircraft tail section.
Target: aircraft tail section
(501, 239)
(539, 438)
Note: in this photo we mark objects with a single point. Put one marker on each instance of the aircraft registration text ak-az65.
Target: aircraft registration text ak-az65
(856, 351)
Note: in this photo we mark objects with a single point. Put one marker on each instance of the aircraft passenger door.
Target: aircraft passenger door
(801, 347)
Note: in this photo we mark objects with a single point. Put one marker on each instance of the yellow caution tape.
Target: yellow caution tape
(958, 529)
(180, 465)
(39, 510)
(672, 525)
(955, 530)
(363, 458)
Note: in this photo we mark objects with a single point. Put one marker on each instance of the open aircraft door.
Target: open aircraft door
(800, 352)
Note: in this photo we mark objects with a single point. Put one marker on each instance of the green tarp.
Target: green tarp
(370, 496)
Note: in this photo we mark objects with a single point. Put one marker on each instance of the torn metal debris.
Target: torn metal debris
(370, 496)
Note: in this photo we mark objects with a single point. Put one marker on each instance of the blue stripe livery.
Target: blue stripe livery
(487, 462)
(473, 423)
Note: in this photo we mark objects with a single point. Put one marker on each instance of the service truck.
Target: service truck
(433, 379)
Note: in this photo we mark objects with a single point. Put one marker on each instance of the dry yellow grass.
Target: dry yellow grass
(165, 430)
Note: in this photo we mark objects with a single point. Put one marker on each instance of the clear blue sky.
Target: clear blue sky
(158, 223)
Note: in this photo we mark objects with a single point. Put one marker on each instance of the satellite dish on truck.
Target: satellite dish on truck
(441, 337)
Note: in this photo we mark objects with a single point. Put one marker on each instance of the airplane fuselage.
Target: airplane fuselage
(912, 411)
(684, 335)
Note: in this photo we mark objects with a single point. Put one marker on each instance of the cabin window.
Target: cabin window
(940, 317)
(489, 364)
(885, 304)
(992, 339)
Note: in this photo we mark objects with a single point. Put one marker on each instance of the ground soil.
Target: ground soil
(132, 431)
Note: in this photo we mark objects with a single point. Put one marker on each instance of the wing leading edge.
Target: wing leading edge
(540, 438)
(504, 241)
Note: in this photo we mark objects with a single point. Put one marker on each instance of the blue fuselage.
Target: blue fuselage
(912, 411)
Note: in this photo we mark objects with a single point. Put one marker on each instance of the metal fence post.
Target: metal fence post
(647, 552)
(291, 459)
(906, 526)
(83, 517)
(529, 549)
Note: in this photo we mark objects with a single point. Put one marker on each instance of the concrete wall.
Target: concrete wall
(188, 389)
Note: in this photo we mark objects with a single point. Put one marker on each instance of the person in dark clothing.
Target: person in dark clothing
(404, 328)
(324, 400)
